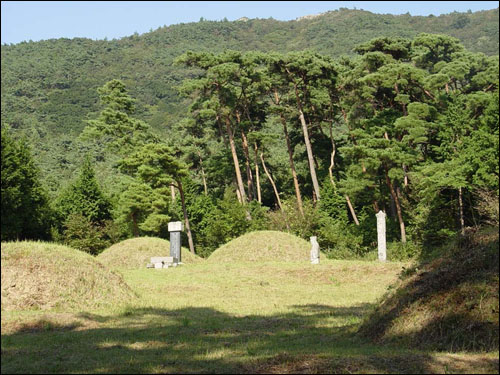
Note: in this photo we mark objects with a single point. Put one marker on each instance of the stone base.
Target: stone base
(161, 265)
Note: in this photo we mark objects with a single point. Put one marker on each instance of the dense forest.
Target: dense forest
(309, 126)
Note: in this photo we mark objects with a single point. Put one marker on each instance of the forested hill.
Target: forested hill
(49, 87)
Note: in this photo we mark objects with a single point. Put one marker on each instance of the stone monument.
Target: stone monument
(382, 250)
(314, 250)
(175, 228)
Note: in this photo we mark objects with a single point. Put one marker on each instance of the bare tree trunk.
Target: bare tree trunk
(186, 220)
(405, 169)
(239, 180)
(461, 206)
(172, 193)
(310, 155)
(398, 206)
(135, 227)
(276, 194)
(330, 172)
(290, 157)
(259, 196)
(205, 189)
(351, 208)
(251, 186)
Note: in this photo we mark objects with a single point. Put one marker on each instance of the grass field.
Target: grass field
(289, 317)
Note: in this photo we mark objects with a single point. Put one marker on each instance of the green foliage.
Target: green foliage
(84, 197)
(83, 234)
(397, 251)
(143, 210)
(409, 126)
(51, 86)
(25, 209)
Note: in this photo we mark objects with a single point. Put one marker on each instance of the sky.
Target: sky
(39, 20)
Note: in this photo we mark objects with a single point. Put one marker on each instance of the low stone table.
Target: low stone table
(162, 262)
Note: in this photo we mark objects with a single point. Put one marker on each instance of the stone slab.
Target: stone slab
(175, 226)
(158, 265)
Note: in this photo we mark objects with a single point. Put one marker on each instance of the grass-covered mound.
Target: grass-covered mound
(42, 276)
(136, 253)
(261, 246)
(449, 303)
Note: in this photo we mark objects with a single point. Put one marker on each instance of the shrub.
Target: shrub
(80, 233)
(398, 251)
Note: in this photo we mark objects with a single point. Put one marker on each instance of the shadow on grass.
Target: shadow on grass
(204, 340)
(459, 293)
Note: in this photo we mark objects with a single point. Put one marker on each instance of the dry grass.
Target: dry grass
(450, 303)
(263, 246)
(42, 276)
(135, 253)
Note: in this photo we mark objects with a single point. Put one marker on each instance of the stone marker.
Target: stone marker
(382, 251)
(158, 265)
(314, 250)
(175, 228)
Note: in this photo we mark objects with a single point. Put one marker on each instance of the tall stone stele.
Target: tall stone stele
(175, 228)
(382, 250)
(314, 250)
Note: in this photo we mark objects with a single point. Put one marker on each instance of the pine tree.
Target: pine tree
(25, 210)
(85, 197)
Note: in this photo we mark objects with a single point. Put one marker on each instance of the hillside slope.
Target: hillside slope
(450, 303)
(49, 87)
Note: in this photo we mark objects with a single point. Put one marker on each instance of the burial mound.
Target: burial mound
(42, 276)
(263, 246)
(136, 253)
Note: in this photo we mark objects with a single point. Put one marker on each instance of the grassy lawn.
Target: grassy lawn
(227, 318)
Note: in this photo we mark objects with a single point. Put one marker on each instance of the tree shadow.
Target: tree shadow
(459, 294)
(204, 340)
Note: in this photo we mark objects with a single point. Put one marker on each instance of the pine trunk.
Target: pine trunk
(461, 206)
(398, 206)
(292, 167)
(330, 172)
(186, 220)
(290, 156)
(205, 189)
(250, 184)
(276, 194)
(310, 155)
(135, 227)
(257, 177)
(239, 180)
(351, 208)
(172, 193)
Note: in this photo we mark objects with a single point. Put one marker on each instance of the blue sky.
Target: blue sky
(38, 20)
